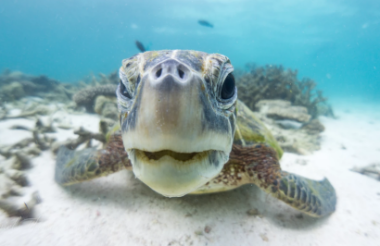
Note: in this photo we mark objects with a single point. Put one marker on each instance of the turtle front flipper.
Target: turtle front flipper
(260, 166)
(315, 198)
(77, 166)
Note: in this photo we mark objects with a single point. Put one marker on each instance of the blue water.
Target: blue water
(334, 42)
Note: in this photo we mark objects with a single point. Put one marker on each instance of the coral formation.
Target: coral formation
(13, 91)
(15, 85)
(281, 109)
(17, 198)
(288, 106)
(290, 125)
(35, 110)
(274, 82)
(86, 97)
(314, 127)
(106, 107)
(84, 136)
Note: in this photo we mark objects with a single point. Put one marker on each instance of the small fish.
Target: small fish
(289, 124)
(205, 23)
(140, 46)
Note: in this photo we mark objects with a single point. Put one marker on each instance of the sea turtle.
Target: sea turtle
(183, 131)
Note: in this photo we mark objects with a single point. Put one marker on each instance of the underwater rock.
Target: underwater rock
(282, 110)
(295, 140)
(87, 96)
(106, 107)
(314, 127)
(298, 142)
(272, 103)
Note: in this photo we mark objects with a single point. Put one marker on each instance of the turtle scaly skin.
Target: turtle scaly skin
(183, 131)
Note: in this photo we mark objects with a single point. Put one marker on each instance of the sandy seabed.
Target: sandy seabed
(120, 210)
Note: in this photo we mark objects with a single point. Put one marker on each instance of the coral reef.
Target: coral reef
(274, 82)
(313, 127)
(281, 109)
(15, 85)
(290, 125)
(289, 107)
(38, 110)
(87, 96)
(102, 86)
(17, 197)
(106, 107)
(13, 91)
(84, 136)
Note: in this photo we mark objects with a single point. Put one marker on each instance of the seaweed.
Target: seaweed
(275, 82)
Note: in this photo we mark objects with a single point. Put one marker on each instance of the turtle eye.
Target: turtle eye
(228, 89)
(123, 90)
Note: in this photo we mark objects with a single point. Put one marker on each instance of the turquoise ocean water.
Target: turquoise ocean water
(334, 42)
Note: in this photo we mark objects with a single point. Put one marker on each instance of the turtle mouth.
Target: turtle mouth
(175, 174)
(181, 157)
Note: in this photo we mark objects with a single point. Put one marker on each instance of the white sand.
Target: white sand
(120, 210)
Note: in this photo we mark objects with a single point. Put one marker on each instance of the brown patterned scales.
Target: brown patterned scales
(183, 131)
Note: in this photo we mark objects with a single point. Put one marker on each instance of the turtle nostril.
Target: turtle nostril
(180, 73)
(158, 73)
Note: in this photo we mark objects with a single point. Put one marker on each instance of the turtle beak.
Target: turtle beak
(174, 137)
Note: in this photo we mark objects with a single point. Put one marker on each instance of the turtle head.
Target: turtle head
(176, 117)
